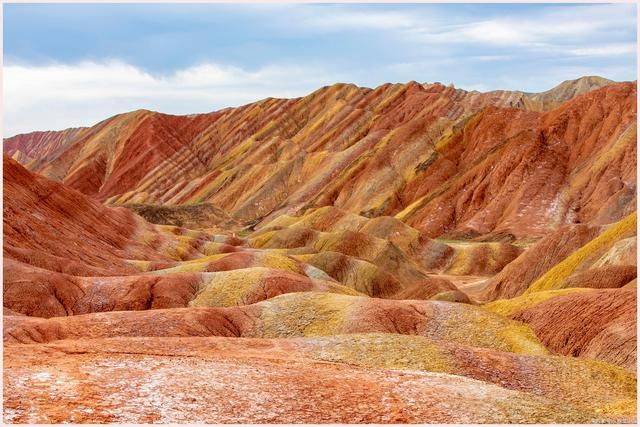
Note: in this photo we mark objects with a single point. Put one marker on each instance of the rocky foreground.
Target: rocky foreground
(407, 254)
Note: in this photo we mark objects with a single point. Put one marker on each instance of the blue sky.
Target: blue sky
(70, 64)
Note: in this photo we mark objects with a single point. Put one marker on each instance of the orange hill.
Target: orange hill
(440, 159)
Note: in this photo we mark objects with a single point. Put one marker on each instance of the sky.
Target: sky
(68, 65)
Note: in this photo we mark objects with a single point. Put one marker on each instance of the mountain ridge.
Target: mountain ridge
(599, 82)
(320, 139)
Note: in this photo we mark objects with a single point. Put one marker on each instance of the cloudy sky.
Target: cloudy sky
(74, 65)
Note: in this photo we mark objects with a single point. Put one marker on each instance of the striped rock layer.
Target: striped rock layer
(443, 160)
(405, 254)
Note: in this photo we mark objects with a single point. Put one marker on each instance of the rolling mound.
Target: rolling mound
(367, 278)
(382, 253)
(41, 293)
(330, 229)
(290, 315)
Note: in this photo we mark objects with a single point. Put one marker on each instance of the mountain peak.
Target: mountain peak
(569, 89)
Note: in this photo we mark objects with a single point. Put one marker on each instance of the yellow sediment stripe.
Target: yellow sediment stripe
(508, 307)
(564, 269)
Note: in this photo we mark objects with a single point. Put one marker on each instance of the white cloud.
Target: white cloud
(59, 96)
(606, 50)
(490, 58)
(538, 29)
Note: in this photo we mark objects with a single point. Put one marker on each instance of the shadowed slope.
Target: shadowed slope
(59, 214)
(537, 260)
(198, 216)
(585, 257)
